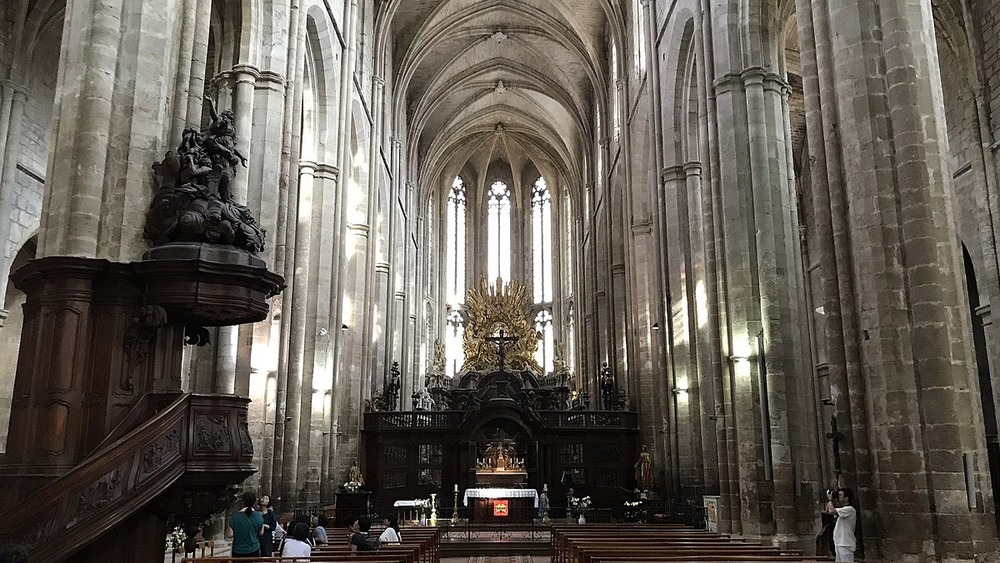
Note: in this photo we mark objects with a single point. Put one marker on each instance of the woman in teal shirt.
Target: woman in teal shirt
(247, 526)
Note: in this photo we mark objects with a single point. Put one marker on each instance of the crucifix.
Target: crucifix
(835, 436)
(502, 342)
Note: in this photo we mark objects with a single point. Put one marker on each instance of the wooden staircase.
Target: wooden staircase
(174, 453)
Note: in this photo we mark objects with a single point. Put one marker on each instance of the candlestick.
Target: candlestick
(456, 487)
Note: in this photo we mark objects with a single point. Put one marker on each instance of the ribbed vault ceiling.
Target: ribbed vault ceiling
(478, 80)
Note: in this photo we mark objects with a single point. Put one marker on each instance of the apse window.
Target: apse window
(498, 223)
(541, 238)
(456, 243)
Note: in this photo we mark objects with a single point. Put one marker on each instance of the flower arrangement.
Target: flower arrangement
(351, 486)
(580, 506)
(176, 539)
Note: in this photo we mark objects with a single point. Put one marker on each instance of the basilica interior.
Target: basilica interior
(717, 255)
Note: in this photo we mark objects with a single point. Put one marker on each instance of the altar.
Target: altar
(500, 466)
(496, 505)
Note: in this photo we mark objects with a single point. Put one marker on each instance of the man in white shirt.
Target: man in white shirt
(843, 531)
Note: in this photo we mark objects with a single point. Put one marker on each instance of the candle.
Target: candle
(456, 487)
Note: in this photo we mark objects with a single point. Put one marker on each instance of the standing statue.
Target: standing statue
(354, 475)
(644, 470)
(392, 388)
(609, 391)
(437, 366)
(562, 372)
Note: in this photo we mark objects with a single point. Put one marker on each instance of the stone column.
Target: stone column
(284, 257)
(775, 222)
(12, 101)
(697, 383)
(338, 465)
(297, 327)
(910, 318)
(243, 77)
(199, 59)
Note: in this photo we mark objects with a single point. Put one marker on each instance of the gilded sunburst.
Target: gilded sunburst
(494, 307)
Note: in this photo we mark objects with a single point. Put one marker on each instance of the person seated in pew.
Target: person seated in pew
(391, 532)
(360, 541)
(296, 545)
(300, 519)
(319, 530)
(352, 526)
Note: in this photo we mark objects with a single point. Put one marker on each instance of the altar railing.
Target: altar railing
(451, 419)
(414, 419)
(589, 419)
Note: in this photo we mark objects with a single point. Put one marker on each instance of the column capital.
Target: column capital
(727, 83)
(669, 173)
(692, 168)
(603, 142)
(270, 78)
(644, 3)
(411, 186)
(309, 165)
(620, 82)
(753, 75)
(220, 78)
(245, 73)
(395, 141)
(327, 171)
(643, 228)
(17, 89)
(382, 267)
(378, 82)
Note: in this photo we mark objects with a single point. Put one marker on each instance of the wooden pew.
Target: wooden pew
(654, 544)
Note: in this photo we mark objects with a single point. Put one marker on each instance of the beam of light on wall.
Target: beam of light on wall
(741, 357)
(701, 302)
(376, 325)
(347, 311)
(357, 195)
(323, 380)
(681, 321)
(264, 356)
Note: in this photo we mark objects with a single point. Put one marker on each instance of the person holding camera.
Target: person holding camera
(843, 531)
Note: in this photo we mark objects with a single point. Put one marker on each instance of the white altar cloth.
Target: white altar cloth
(407, 503)
(495, 492)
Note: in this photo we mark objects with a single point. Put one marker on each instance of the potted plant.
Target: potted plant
(578, 508)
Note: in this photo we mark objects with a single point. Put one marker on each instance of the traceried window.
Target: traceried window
(455, 282)
(567, 262)
(541, 226)
(546, 346)
(454, 333)
(615, 94)
(639, 18)
(498, 223)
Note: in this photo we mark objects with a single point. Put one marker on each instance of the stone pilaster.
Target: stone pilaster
(12, 101)
(107, 127)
